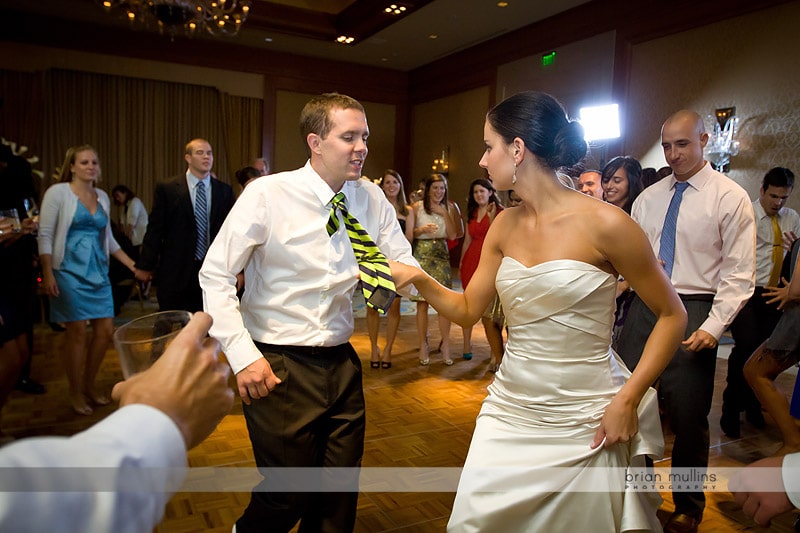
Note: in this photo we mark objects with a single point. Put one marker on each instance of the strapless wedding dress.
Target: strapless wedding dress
(529, 466)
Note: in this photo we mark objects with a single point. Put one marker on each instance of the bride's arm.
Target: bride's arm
(630, 253)
(462, 308)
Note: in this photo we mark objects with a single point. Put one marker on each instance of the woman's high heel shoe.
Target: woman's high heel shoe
(446, 357)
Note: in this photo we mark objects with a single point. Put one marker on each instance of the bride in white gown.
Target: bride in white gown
(562, 404)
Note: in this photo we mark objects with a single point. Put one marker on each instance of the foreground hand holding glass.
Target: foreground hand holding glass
(141, 342)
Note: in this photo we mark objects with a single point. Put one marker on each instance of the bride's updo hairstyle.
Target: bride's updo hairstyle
(540, 121)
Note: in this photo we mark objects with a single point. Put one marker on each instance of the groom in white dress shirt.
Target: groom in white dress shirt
(288, 341)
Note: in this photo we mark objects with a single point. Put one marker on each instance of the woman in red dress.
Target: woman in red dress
(482, 206)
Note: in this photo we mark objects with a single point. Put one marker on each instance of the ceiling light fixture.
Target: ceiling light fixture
(217, 17)
(345, 39)
(395, 9)
(502, 4)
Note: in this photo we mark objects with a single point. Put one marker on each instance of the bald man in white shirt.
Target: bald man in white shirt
(710, 260)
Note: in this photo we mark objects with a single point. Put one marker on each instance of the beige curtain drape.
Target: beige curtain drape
(241, 142)
(138, 126)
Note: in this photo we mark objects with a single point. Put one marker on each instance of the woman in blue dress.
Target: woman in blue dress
(75, 242)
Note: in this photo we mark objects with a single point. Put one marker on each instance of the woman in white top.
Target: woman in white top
(392, 185)
(436, 220)
(134, 220)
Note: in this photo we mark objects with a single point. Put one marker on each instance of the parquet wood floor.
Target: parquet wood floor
(416, 417)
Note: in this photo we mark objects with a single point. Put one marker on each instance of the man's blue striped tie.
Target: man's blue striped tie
(667, 249)
(201, 221)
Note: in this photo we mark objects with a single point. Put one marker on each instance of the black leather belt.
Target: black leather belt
(697, 297)
(321, 352)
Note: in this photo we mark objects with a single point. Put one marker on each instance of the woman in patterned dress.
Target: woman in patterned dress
(436, 220)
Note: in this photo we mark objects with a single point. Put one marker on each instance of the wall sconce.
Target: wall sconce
(722, 144)
(442, 164)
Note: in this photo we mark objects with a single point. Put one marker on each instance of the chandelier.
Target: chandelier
(217, 17)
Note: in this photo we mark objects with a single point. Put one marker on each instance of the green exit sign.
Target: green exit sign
(548, 59)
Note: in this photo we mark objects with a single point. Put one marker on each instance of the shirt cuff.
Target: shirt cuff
(790, 471)
(713, 327)
(242, 354)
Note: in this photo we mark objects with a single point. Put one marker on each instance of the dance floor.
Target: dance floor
(416, 417)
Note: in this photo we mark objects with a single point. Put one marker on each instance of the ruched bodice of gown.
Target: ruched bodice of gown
(557, 377)
(559, 317)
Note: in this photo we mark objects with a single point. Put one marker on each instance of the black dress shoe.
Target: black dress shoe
(730, 424)
(28, 386)
(755, 418)
(681, 523)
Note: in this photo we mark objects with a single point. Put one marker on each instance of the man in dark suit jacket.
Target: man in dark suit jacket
(171, 246)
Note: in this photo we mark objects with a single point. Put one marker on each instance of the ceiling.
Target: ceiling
(309, 27)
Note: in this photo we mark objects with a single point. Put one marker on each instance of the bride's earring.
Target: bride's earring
(514, 177)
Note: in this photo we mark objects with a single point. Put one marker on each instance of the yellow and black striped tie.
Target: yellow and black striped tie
(376, 277)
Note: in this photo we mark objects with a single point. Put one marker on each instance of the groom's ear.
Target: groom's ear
(313, 140)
